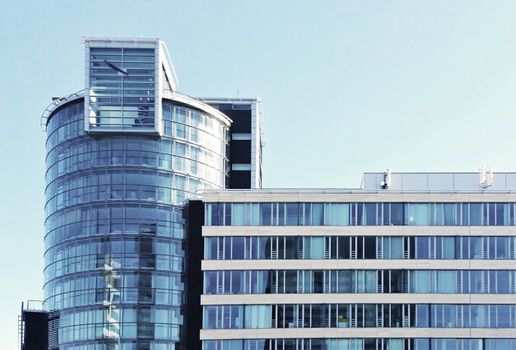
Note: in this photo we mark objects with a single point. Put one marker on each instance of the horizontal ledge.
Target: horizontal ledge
(207, 334)
(357, 264)
(358, 231)
(357, 298)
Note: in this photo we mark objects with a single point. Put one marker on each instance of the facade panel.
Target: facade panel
(403, 269)
(115, 225)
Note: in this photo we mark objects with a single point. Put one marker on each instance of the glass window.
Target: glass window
(210, 249)
(446, 281)
(290, 281)
(366, 281)
(477, 282)
(344, 281)
(502, 282)
(343, 315)
(478, 314)
(238, 214)
(252, 247)
(317, 214)
(421, 344)
(397, 214)
(420, 281)
(422, 316)
(340, 214)
(318, 281)
(238, 248)
(395, 344)
(292, 214)
(264, 248)
(254, 216)
(370, 315)
(281, 214)
(210, 317)
(476, 248)
(266, 214)
(318, 313)
(210, 282)
(370, 213)
(449, 214)
(227, 247)
(237, 282)
(448, 247)
(258, 316)
(397, 281)
(462, 247)
(396, 247)
(314, 246)
(502, 247)
(504, 316)
(261, 282)
(422, 247)
(369, 247)
(475, 214)
(291, 247)
(287, 316)
(418, 214)
(307, 281)
(343, 248)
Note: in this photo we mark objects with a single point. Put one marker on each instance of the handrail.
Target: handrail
(56, 102)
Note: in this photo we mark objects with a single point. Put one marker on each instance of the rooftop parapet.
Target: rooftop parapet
(481, 181)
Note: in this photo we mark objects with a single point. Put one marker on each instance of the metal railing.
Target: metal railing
(56, 102)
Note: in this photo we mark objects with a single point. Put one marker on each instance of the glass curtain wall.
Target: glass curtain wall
(115, 226)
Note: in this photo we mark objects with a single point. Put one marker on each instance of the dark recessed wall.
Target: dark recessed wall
(194, 278)
(240, 150)
(36, 330)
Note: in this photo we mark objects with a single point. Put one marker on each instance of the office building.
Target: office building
(408, 261)
(123, 157)
(158, 235)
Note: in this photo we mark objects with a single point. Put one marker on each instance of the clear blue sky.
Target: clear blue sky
(347, 87)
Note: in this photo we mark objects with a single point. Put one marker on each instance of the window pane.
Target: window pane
(317, 214)
(370, 214)
(418, 214)
(397, 214)
(448, 247)
(266, 214)
(238, 248)
(238, 214)
(476, 251)
(396, 245)
(422, 316)
(292, 214)
(210, 250)
(339, 214)
(316, 247)
(475, 214)
(422, 247)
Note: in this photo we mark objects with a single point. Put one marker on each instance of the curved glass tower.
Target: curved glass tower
(122, 157)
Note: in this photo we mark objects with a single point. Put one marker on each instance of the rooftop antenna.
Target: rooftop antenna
(486, 177)
(387, 179)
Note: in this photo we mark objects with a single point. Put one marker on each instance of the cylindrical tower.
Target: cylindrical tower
(114, 228)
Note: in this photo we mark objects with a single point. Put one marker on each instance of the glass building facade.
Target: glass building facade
(122, 160)
(360, 269)
(115, 225)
